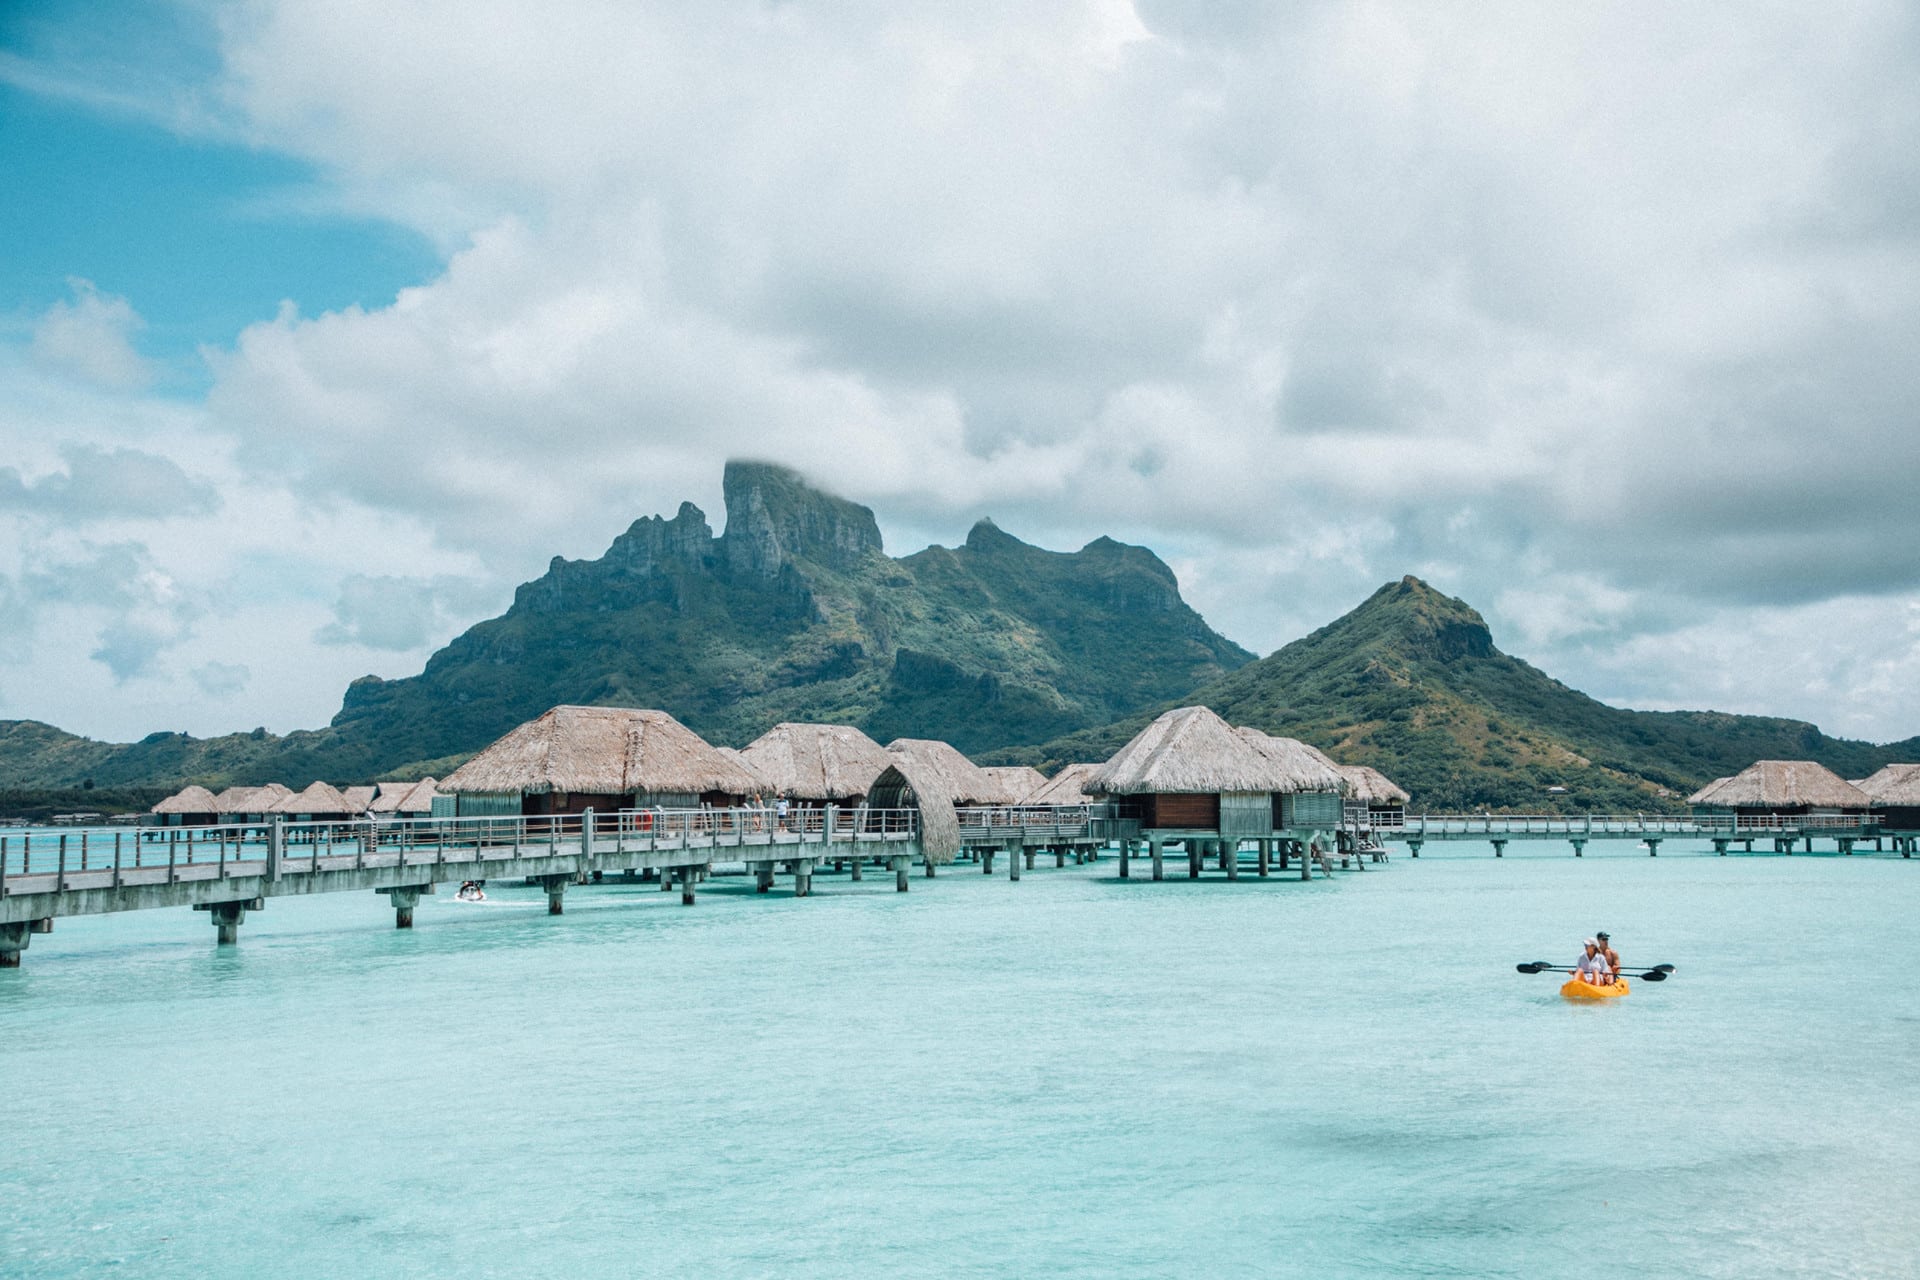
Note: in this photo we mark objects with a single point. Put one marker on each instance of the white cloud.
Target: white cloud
(91, 337)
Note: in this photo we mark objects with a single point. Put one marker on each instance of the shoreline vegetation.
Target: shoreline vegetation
(1016, 655)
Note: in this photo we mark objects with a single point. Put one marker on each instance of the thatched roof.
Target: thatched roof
(1020, 779)
(194, 800)
(1306, 767)
(404, 797)
(1783, 784)
(251, 799)
(1370, 786)
(1067, 786)
(318, 800)
(816, 761)
(962, 781)
(612, 751)
(1192, 751)
(361, 798)
(1897, 784)
(910, 782)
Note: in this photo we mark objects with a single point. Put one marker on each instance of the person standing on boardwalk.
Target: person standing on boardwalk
(1608, 954)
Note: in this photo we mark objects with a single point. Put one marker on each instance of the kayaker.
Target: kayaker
(1591, 966)
(1608, 954)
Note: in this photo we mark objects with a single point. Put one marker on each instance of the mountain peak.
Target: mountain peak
(1425, 622)
(988, 536)
(775, 515)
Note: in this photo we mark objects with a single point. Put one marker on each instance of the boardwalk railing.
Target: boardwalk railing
(253, 849)
(1432, 826)
(1057, 821)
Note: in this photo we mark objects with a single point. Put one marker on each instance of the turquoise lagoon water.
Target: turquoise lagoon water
(1069, 1076)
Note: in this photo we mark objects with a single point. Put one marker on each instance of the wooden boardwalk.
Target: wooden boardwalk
(1723, 831)
(230, 870)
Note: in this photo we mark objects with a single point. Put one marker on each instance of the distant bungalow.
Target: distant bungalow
(190, 807)
(603, 758)
(1895, 793)
(1017, 780)
(250, 804)
(1785, 788)
(1373, 798)
(404, 799)
(1069, 786)
(318, 803)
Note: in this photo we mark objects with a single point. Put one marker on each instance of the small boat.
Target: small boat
(1578, 988)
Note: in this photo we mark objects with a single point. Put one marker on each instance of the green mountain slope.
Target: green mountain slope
(1411, 682)
(795, 612)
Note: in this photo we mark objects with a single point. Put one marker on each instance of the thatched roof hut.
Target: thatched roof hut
(360, 798)
(1191, 751)
(195, 801)
(1896, 784)
(1019, 780)
(318, 801)
(1782, 786)
(823, 763)
(602, 754)
(1371, 787)
(1895, 792)
(961, 780)
(910, 782)
(1067, 787)
(406, 799)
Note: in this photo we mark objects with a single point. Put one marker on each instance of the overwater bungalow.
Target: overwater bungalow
(359, 799)
(250, 804)
(404, 799)
(1189, 777)
(963, 781)
(193, 806)
(572, 759)
(1783, 788)
(1019, 780)
(1069, 786)
(318, 803)
(1373, 799)
(814, 765)
(1895, 793)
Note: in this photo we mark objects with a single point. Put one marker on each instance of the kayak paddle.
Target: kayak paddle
(1658, 973)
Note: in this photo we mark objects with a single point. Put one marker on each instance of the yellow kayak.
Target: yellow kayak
(1580, 989)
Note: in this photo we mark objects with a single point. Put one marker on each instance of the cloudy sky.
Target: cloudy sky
(324, 323)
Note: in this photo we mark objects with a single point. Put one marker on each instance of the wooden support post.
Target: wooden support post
(1059, 855)
(1720, 847)
(1413, 847)
(763, 877)
(802, 878)
(1029, 851)
(857, 864)
(1013, 864)
(404, 900)
(929, 866)
(666, 879)
(1579, 847)
(985, 858)
(1266, 857)
(1653, 848)
(1499, 848)
(900, 875)
(1158, 849)
(687, 883)
(556, 894)
(1125, 849)
(14, 936)
(1306, 861)
(1230, 856)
